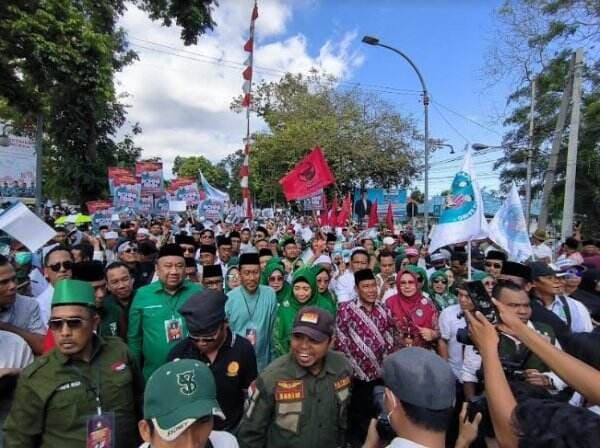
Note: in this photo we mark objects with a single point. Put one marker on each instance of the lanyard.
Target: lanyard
(250, 314)
(93, 387)
(173, 303)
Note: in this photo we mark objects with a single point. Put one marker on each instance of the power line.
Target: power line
(437, 109)
(467, 118)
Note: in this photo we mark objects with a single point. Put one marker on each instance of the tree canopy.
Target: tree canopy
(216, 175)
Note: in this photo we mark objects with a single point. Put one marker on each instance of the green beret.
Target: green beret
(73, 292)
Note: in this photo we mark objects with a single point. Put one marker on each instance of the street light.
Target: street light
(437, 145)
(370, 40)
(481, 146)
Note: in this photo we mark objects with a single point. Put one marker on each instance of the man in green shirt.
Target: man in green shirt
(301, 399)
(155, 324)
(83, 393)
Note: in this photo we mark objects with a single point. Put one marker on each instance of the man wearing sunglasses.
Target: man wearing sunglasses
(493, 262)
(58, 265)
(230, 357)
(155, 322)
(83, 392)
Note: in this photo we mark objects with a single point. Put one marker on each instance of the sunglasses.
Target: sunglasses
(489, 283)
(407, 282)
(74, 323)
(419, 279)
(206, 339)
(188, 249)
(489, 264)
(66, 265)
(233, 276)
(131, 250)
(440, 280)
(276, 279)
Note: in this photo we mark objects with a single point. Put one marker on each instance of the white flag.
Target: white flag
(24, 225)
(462, 218)
(508, 229)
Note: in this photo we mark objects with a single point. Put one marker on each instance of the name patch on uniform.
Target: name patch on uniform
(289, 390)
(118, 366)
(70, 385)
(342, 383)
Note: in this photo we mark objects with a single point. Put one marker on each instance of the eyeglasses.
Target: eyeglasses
(276, 279)
(74, 323)
(207, 339)
(233, 276)
(489, 264)
(419, 279)
(407, 282)
(188, 249)
(66, 265)
(131, 250)
(440, 280)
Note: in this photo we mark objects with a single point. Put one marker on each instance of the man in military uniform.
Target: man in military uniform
(300, 400)
(84, 392)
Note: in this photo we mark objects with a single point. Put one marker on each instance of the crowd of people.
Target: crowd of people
(168, 332)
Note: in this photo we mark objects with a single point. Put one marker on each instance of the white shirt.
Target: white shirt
(449, 325)
(581, 322)
(344, 287)
(37, 281)
(541, 251)
(45, 301)
(219, 439)
(401, 442)
(15, 353)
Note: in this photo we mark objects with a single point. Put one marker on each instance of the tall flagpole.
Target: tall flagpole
(246, 103)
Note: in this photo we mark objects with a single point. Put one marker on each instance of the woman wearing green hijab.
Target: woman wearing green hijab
(232, 278)
(274, 276)
(440, 294)
(323, 277)
(304, 293)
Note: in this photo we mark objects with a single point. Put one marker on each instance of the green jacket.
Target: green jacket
(53, 400)
(150, 314)
(289, 307)
(275, 264)
(110, 317)
(291, 408)
(509, 350)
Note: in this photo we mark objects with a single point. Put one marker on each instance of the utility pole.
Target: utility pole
(569, 204)
(529, 158)
(550, 173)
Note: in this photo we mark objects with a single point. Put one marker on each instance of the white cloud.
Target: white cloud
(181, 95)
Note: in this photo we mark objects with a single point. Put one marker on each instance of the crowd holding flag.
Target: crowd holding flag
(309, 176)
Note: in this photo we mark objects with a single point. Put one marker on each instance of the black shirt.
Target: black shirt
(234, 369)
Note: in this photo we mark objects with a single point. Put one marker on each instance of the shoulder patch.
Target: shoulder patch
(342, 383)
(289, 390)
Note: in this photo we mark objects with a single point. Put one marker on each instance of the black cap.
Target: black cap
(203, 231)
(234, 234)
(185, 239)
(261, 229)
(190, 263)
(331, 237)
(516, 270)
(363, 274)
(314, 322)
(223, 240)
(204, 311)
(495, 255)
(541, 269)
(248, 258)
(208, 248)
(170, 250)
(265, 253)
(88, 271)
(212, 270)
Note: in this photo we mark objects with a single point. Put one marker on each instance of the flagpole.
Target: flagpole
(469, 258)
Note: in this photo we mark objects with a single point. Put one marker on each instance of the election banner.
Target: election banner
(184, 189)
(146, 204)
(161, 204)
(94, 206)
(17, 168)
(211, 210)
(397, 197)
(150, 175)
(113, 173)
(126, 193)
(316, 202)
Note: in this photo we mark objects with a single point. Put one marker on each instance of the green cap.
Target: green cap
(179, 393)
(73, 292)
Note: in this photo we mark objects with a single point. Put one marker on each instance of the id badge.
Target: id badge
(173, 329)
(251, 336)
(100, 431)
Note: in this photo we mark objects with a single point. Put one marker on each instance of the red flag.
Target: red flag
(373, 218)
(307, 177)
(342, 218)
(324, 214)
(389, 217)
(333, 212)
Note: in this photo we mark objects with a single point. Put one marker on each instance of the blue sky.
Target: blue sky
(181, 96)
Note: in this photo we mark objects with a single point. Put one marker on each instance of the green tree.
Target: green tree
(216, 175)
(540, 36)
(364, 140)
(58, 59)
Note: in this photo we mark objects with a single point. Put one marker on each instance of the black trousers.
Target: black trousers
(361, 410)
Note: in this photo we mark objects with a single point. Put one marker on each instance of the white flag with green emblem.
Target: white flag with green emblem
(462, 218)
(509, 230)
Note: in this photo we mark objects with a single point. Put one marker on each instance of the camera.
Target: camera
(513, 369)
(482, 303)
(384, 429)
